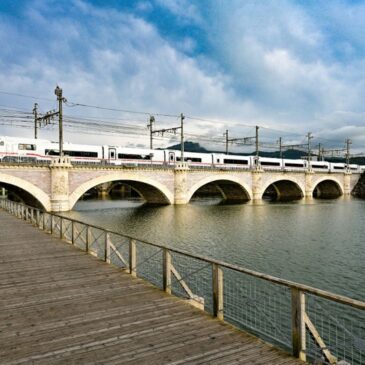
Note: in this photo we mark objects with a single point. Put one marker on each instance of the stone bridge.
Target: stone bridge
(57, 187)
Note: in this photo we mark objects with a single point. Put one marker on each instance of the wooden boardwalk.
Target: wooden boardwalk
(59, 305)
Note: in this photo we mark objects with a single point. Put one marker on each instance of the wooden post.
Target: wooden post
(87, 239)
(166, 271)
(107, 248)
(217, 275)
(298, 323)
(132, 258)
(61, 228)
(72, 233)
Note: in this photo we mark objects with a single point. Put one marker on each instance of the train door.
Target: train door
(172, 158)
(112, 154)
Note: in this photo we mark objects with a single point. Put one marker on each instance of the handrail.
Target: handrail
(300, 319)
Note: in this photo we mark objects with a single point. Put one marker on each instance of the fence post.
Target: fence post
(51, 223)
(132, 258)
(298, 323)
(87, 239)
(106, 248)
(217, 275)
(166, 271)
(61, 227)
(72, 233)
(44, 221)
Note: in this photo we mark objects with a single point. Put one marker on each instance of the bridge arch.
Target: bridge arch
(232, 189)
(38, 194)
(151, 190)
(286, 188)
(327, 188)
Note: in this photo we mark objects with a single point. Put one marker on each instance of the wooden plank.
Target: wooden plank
(60, 306)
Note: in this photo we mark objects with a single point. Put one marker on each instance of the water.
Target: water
(316, 242)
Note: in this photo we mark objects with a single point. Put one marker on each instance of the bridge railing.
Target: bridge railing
(311, 323)
(31, 161)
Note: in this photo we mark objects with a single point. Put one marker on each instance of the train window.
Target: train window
(319, 166)
(338, 167)
(81, 153)
(268, 163)
(288, 164)
(218, 160)
(128, 156)
(236, 162)
(2, 143)
(27, 147)
(72, 153)
(190, 159)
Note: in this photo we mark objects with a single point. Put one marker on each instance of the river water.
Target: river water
(316, 242)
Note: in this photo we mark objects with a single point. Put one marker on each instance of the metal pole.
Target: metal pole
(58, 92)
(257, 145)
(281, 151)
(150, 126)
(182, 136)
(319, 152)
(226, 134)
(348, 142)
(309, 136)
(35, 112)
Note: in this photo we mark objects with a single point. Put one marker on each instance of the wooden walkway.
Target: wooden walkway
(59, 305)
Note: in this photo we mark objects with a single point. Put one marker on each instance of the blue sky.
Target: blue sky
(297, 66)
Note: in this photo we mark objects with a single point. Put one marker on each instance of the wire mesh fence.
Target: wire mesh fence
(335, 331)
(321, 327)
(262, 307)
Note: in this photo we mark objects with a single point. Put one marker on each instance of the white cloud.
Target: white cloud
(269, 63)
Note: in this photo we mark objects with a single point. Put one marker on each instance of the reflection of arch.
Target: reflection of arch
(287, 188)
(31, 189)
(327, 188)
(231, 188)
(151, 190)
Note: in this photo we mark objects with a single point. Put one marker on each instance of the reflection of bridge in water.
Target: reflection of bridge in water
(57, 187)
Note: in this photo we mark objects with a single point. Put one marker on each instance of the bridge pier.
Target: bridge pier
(308, 193)
(347, 183)
(180, 184)
(257, 184)
(60, 184)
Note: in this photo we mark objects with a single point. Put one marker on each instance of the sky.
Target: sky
(292, 67)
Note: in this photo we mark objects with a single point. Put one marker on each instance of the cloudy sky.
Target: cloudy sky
(293, 66)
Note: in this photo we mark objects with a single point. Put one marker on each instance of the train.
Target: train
(14, 149)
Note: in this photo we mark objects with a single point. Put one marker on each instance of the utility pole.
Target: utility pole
(309, 137)
(348, 142)
(35, 113)
(227, 140)
(319, 152)
(150, 127)
(58, 93)
(257, 144)
(182, 117)
(281, 147)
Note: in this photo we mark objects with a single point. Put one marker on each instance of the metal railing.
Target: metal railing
(311, 323)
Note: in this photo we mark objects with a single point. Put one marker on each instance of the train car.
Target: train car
(235, 161)
(295, 164)
(270, 163)
(320, 166)
(337, 167)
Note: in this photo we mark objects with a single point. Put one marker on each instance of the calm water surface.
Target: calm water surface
(316, 242)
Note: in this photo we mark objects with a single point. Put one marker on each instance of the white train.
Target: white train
(14, 149)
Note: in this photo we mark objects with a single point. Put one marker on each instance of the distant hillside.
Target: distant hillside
(291, 154)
